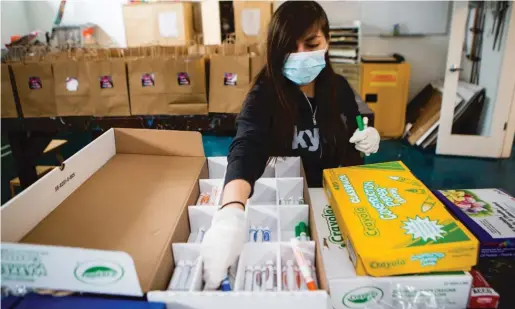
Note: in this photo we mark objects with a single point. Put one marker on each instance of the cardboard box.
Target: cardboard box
(114, 220)
(348, 290)
(104, 223)
(489, 214)
(160, 23)
(393, 224)
(251, 19)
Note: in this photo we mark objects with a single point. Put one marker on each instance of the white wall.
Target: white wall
(20, 17)
(107, 14)
(14, 20)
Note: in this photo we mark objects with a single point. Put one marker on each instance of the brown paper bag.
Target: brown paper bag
(187, 74)
(148, 83)
(229, 79)
(35, 85)
(257, 59)
(72, 88)
(8, 108)
(108, 82)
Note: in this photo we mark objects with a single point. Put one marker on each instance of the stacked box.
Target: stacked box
(393, 224)
(489, 214)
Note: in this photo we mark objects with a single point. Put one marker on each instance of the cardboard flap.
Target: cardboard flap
(83, 270)
(26, 210)
(159, 142)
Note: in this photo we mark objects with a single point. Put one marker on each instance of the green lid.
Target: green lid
(303, 228)
(297, 231)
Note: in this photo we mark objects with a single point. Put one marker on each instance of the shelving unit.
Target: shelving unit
(344, 52)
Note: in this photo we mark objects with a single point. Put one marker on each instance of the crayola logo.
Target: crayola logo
(99, 272)
(362, 297)
(335, 235)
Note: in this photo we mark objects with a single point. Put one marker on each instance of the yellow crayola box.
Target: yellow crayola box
(393, 224)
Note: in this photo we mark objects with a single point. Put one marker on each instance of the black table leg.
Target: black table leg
(26, 148)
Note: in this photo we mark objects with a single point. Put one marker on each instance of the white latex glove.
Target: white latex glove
(222, 245)
(367, 141)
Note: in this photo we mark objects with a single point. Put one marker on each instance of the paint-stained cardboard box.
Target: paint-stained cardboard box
(394, 225)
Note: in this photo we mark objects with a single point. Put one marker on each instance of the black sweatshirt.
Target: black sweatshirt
(249, 151)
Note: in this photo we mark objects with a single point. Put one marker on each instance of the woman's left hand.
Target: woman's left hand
(367, 141)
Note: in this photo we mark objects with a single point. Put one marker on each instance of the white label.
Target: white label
(168, 25)
(491, 209)
(72, 84)
(71, 269)
(250, 21)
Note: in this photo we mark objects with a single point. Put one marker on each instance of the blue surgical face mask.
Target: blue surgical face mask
(302, 68)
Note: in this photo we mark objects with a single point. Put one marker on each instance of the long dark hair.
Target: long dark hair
(291, 22)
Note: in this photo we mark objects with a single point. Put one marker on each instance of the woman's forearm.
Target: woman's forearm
(236, 190)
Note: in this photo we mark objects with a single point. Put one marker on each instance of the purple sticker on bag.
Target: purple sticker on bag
(147, 80)
(106, 81)
(183, 79)
(230, 79)
(35, 82)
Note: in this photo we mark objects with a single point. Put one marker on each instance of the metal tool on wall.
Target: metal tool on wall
(499, 11)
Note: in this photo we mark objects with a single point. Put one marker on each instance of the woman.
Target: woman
(297, 106)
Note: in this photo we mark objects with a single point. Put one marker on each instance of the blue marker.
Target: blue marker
(253, 234)
(225, 286)
(266, 233)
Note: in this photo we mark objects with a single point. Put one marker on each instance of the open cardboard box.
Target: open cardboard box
(106, 220)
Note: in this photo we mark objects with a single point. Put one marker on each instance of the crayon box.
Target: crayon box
(395, 225)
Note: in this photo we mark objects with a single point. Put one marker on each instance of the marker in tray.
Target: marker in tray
(304, 267)
(174, 282)
(225, 286)
(253, 234)
(256, 279)
(248, 278)
(200, 235)
(266, 233)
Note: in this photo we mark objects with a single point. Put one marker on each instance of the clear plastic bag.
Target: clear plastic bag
(409, 297)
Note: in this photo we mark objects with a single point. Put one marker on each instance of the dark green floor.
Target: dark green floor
(450, 172)
(437, 172)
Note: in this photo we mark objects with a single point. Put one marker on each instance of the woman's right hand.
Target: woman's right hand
(224, 241)
(222, 244)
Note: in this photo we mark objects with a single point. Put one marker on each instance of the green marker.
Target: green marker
(359, 120)
(361, 127)
(303, 231)
(297, 232)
